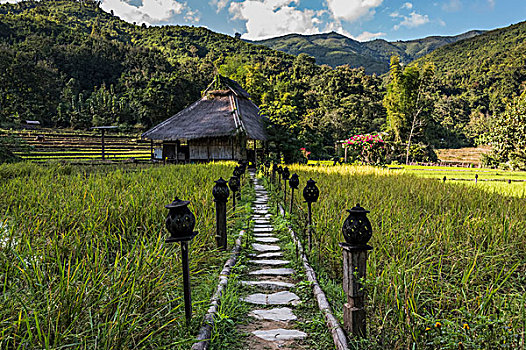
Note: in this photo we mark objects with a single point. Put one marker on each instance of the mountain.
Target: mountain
(69, 63)
(335, 49)
(486, 70)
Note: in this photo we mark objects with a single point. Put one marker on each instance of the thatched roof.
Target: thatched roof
(226, 111)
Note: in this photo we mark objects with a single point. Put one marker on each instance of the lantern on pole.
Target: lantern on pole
(286, 176)
(294, 182)
(311, 194)
(274, 170)
(234, 185)
(357, 232)
(221, 193)
(180, 222)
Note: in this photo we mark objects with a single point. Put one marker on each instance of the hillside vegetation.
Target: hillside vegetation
(487, 70)
(335, 49)
(70, 64)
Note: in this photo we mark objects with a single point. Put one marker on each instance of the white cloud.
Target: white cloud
(192, 16)
(407, 5)
(367, 36)
(149, 12)
(219, 4)
(9, 1)
(452, 6)
(352, 10)
(491, 3)
(270, 18)
(412, 21)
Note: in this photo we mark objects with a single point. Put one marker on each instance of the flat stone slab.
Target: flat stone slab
(262, 222)
(270, 262)
(262, 216)
(261, 211)
(263, 229)
(264, 235)
(265, 247)
(277, 314)
(278, 298)
(280, 334)
(268, 284)
(267, 239)
(268, 255)
(273, 272)
(259, 208)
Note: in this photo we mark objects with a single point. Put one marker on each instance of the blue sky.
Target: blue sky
(360, 19)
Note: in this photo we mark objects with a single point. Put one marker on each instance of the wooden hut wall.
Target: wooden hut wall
(222, 148)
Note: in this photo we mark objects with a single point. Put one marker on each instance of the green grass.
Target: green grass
(83, 262)
(446, 253)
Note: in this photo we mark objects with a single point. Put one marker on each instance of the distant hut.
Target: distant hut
(223, 125)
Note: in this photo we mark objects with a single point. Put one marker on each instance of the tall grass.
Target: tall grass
(83, 262)
(448, 269)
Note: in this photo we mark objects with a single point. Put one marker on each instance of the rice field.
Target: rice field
(83, 262)
(448, 268)
(42, 145)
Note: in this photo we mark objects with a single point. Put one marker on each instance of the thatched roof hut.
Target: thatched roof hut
(216, 127)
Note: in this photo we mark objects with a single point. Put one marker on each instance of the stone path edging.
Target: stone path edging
(338, 335)
(205, 333)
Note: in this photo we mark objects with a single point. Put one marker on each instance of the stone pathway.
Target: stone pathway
(273, 313)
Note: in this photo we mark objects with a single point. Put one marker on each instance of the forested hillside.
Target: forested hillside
(335, 49)
(486, 71)
(70, 64)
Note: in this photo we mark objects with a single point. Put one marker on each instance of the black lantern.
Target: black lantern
(286, 173)
(294, 181)
(234, 184)
(267, 164)
(180, 221)
(357, 228)
(280, 170)
(238, 171)
(311, 192)
(220, 190)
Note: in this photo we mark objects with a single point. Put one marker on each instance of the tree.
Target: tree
(408, 101)
(508, 138)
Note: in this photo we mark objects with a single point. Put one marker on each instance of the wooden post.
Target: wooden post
(309, 205)
(354, 269)
(221, 225)
(186, 282)
(255, 155)
(345, 154)
(284, 193)
(291, 198)
(102, 139)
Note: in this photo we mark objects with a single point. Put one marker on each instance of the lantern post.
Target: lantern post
(180, 222)
(286, 176)
(357, 231)
(280, 172)
(311, 193)
(294, 182)
(234, 185)
(220, 193)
